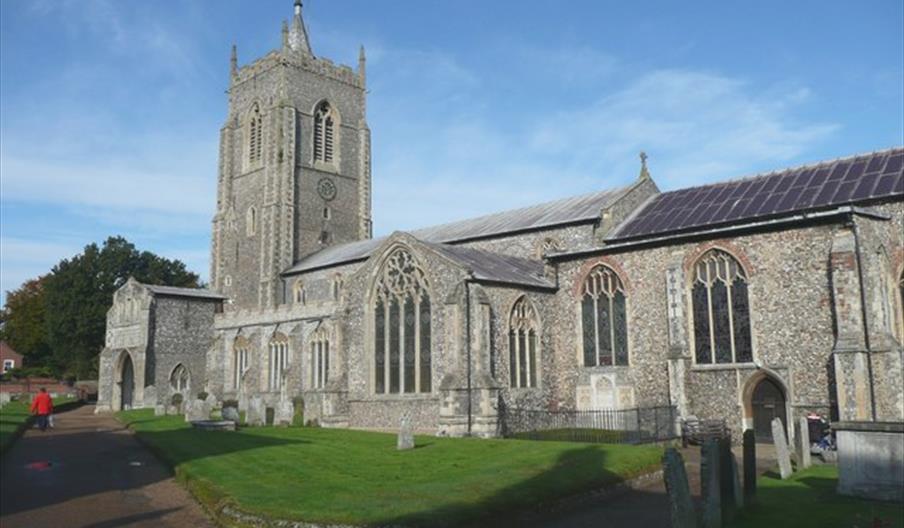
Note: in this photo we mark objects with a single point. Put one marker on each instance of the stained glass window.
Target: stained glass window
(721, 310)
(523, 342)
(604, 321)
(320, 358)
(402, 337)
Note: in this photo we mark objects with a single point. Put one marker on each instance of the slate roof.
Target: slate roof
(495, 267)
(854, 180)
(576, 209)
(173, 291)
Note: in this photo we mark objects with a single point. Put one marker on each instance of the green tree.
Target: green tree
(24, 321)
(79, 291)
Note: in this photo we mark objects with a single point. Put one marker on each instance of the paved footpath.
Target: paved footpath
(90, 472)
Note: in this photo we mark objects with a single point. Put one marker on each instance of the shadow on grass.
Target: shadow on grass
(530, 501)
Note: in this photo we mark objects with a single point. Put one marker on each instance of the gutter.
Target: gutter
(843, 211)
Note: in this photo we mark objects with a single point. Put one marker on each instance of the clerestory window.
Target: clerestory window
(604, 321)
(524, 337)
(721, 311)
(402, 327)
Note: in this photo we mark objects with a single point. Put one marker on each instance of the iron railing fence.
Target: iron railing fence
(618, 426)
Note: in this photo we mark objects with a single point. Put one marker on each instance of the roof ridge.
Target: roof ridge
(809, 165)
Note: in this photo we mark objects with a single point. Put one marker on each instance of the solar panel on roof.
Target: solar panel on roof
(856, 179)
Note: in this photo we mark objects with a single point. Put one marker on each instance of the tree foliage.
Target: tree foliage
(76, 296)
(24, 321)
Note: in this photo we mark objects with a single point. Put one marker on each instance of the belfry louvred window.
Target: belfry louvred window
(401, 327)
(721, 311)
(254, 135)
(324, 133)
(524, 338)
(604, 321)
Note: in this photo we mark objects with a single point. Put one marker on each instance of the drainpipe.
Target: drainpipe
(864, 314)
(468, 344)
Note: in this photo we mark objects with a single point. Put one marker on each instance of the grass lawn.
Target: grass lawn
(342, 476)
(13, 416)
(808, 499)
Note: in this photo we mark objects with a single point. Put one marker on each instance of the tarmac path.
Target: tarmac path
(90, 472)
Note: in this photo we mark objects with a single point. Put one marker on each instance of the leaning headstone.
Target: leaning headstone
(681, 507)
(406, 437)
(749, 466)
(781, 448)
(231, 413)
(160, 410)
(803, 443)
(709, 484)
(284, 413)
(199, 410)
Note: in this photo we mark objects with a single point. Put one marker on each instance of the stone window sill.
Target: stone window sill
(723, 366)
(605, 368)
(403, 397)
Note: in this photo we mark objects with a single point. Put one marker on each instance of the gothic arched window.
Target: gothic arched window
(255, 138)
(298, 292)
(721, 310)
(320, 358)
(239, 360)
(180, 379)
(278, 360)
(524, 337)
(604, 321)
(401, 327)
(324, 132)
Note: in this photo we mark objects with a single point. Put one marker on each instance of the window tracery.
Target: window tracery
(402, 360)
(604, 319)
(324, 133)
(239, 360)
(721, 310)
(320, 358)
(524, 334)
(180, 380)
(278, 360)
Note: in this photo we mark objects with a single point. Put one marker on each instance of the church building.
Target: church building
(773, 295)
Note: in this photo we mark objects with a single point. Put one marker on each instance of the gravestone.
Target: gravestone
(406, 438)
(737, 493)
(681, 507)
(231, 413)
(709, 484)
(749, 466)
(803, 444)
(255, 414)
(160, 410)
(781, 448)
(198, 410)
(284, 413)
(726, 479)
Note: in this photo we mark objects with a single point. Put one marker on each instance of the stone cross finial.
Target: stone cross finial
(644, 173)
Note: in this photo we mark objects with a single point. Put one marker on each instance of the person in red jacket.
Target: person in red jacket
(42, 407)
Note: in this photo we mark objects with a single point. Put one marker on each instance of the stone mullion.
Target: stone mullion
(709, 313)
(728, 295)
(386, 342)
(517, 341)
(596, 329)
(417, 344)
(402, 350)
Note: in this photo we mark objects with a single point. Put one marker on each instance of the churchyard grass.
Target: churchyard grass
(808, 499)
(15, 414)
(357, 477)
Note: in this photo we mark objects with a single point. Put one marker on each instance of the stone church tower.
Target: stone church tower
(294, 167)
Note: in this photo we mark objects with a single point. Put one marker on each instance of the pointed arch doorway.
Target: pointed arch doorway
(767, 402)
(127, 385)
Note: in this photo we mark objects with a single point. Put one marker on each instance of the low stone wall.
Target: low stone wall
(871, 459)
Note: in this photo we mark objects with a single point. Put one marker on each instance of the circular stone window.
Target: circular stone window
(326, 189)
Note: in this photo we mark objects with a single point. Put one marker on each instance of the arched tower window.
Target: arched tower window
(721, 310)
(604, 322)
(255, 139)
(401, 327)
(324, 133)
(298, 293)
(320, 358)
(524, 336)
(278, 360)
(251, 221)
(239, 360)
(180, 379)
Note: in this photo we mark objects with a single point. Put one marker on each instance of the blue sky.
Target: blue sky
(110, 109)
